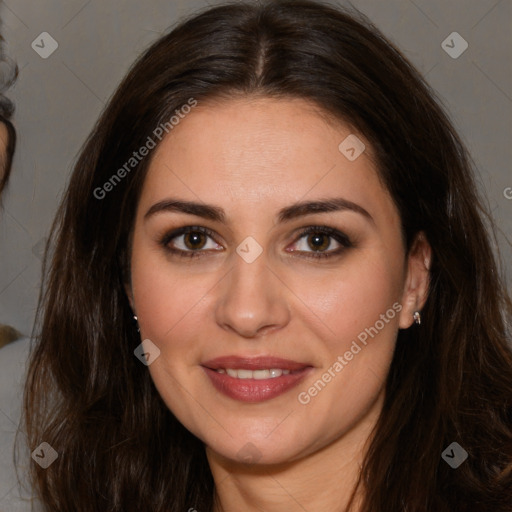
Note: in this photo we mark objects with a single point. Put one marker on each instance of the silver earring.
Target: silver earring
(135, 318)
(417, 317)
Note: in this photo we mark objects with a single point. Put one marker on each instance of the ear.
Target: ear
(129, 294)
(417, 279)
(126, 276)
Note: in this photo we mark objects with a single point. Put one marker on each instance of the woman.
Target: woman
(7, 147)
(7, 133)
(7, 142)
(271, 286)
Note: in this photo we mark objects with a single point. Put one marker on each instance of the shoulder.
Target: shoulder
(13, 366)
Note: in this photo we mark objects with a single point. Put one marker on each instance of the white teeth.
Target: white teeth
(262, 374)
(244, 374)
(256, 374)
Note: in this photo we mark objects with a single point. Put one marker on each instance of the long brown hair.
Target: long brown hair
(120, 448)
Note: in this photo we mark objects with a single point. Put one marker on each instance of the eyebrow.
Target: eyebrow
(286, 214)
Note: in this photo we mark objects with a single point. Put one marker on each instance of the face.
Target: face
(245, 281)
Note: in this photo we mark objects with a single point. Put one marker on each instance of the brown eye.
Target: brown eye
(194, 240)
(190, 241)
(319, 241)
(314, 242)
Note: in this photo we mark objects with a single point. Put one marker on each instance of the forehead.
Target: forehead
(254, 151)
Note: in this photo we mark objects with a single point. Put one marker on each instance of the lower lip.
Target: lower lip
(252, 390)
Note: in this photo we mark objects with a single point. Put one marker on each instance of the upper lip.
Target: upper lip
(253, 363)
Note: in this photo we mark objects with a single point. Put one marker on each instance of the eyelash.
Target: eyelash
(340, 237)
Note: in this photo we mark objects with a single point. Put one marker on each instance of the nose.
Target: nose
(252, 299)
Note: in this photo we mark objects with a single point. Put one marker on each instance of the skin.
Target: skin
(252, 157)
(4, 139)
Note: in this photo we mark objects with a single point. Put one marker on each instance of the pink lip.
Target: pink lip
(253, 390)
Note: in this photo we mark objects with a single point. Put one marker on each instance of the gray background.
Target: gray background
(59, 98)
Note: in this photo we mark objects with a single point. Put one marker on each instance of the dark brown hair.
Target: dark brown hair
(120, 448)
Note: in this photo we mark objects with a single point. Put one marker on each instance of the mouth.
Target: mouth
(240, 373)
(254, 379)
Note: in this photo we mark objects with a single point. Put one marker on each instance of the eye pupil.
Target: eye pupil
(196, 238)
(317, 240)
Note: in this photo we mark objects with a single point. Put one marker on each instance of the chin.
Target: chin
(260, 448)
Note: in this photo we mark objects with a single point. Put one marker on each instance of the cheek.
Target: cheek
(353, 298)
(171, 314)
(358, 329)
(165, 303)
(170, 303)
